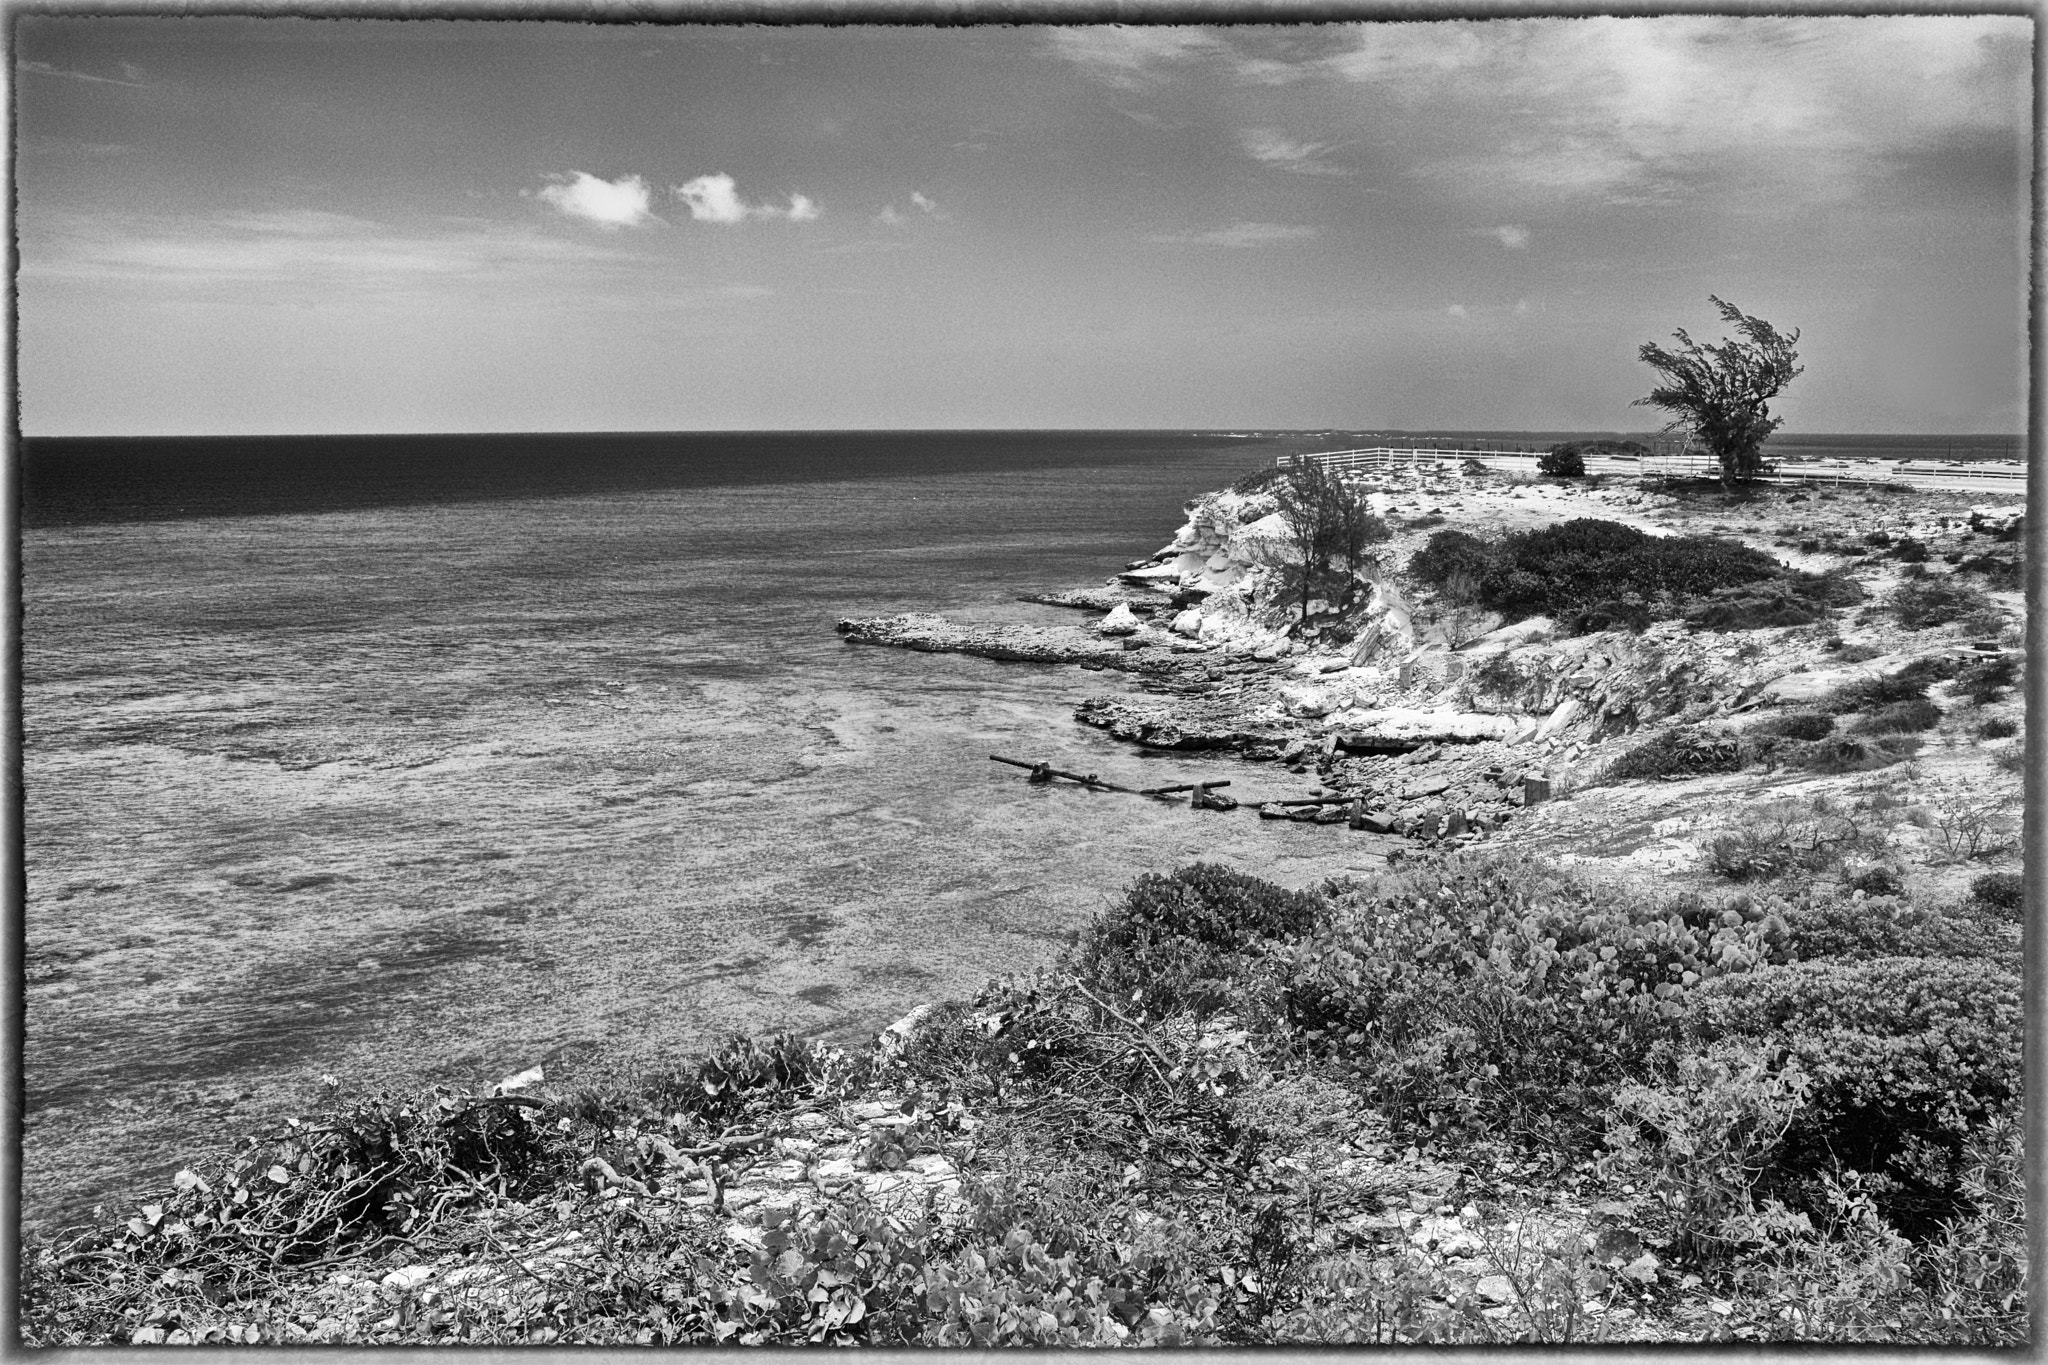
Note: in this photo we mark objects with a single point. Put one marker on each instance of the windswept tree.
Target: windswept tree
(1721, 394)
(1331, 532)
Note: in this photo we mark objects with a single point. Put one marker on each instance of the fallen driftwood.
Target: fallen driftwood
(1045, 772)
(1182, 787)
(1203, 795)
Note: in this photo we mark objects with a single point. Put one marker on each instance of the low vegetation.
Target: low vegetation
(1593, 575)
(1783, 1115)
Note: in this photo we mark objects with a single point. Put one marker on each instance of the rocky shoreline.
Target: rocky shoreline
(1500, 715)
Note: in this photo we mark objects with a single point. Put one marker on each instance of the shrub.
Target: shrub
(1786, 836)
(1934, 601)
(1796, 725)
(1493, 990)
(1897, 718)
(1827, 925)
(1997, 727)
(745, 1074)
(1986, 680)
(1999, 572)
(1906, 1055)
(1449, 555)
(1865, 694)
(2001, 890)
(1976, 1267)
(1847, 753)
(1562, 462)
(382, 1170)
(1678, 752)
(1731, 609)
(1876, 879)
(1910, 552)
(1834, 588)
(1179, 940)
(1259, 480)
(1698, 1143)
(1970, 823)
(1879, 538)
(1578, 564)
(1075, 1265)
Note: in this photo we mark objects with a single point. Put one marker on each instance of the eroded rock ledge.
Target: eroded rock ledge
(935, 634)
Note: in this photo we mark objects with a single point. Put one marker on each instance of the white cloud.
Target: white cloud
(1779, 110)
(1273, 148)
(129, 70)
(1241, 234)
(304, 247)
(1513, 236)
(1127, 55)
(715, 198)
(891, 216)
(608, 203)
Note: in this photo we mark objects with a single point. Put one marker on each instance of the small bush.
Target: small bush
(1910, 552)
(2000, 890)
(744, 1074)
(1698, 1143)
(1878, 538)
(1771, 840)
(1495, 991)
(1180, 940)
(1448, 555)
(1796, 725)
(1868, 694)
(1847, 753)
(1877, 879)
(1259, 480)
(1733, 609)
(1592, 575)
(1906, 1054)
(1986, 680)
(1935, 601)
(1824, 924)
(1562, 462)
(1997, 727)
(1898, 718)
(1679, 752)
(2000, 573)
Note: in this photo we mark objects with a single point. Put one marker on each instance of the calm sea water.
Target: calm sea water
(374, 761)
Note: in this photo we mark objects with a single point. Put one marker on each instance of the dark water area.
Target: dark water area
(67, 481)
(71, 481)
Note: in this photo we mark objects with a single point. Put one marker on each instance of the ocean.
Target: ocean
(355, 764)
(386, 761)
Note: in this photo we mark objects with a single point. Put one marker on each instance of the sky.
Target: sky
(273, 225)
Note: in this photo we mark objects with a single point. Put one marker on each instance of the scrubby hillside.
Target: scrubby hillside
(1478, 1099)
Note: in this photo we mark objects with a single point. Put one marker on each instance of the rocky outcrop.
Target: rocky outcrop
(1023, 644)
(1177, 723)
